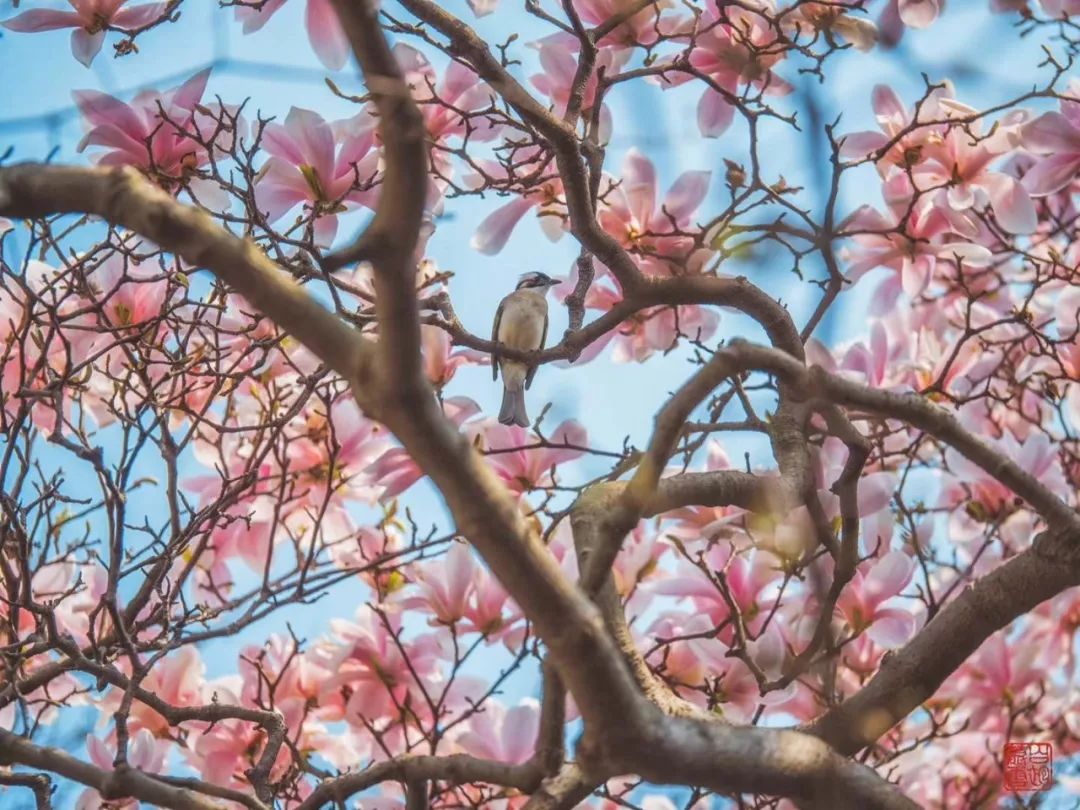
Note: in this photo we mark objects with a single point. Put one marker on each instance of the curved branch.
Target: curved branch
(917, 412)
(116, 784)
(38, 783)
(913, 674)
(122, 196)
(456, 769)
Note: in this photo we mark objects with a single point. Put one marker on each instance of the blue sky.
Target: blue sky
(275, 68)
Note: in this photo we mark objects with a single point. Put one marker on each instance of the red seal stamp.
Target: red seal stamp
(1028, 766)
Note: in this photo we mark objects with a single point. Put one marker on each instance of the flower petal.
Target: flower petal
(714, 114)
(1050, 133)
(1011, 203)
(919, 13)
(326, 35)
(1052, 174)
(85, 46)
(42, 20)
(686, 195)
(138, 16)
(492, 234)
(892, 628)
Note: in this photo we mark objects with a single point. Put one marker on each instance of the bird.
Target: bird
(521, 322)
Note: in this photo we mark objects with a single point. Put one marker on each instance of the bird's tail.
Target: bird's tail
(513, 407)
(513, 404)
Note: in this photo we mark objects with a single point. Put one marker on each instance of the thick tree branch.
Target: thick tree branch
(122, 196)
(38, 783)
(923, 414)
(455, 769)
(910, 676)
(116, 784)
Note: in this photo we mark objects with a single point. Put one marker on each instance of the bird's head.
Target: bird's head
(536, 281)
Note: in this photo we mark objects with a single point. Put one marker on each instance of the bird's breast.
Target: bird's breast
(522, 325)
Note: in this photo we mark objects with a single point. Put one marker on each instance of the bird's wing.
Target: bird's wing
(495, 340)
(543, 339)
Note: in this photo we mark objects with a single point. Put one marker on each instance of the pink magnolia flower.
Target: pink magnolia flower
(646, 332)
(395, 471)
(638, 559)
(634, 216)
(894, 121)
(873, 584)
(372, 673)
(749, 576)
(491, 612)
(547, 197)
(139, 134)
(34, 345)
(177, 679)
(709, 523)
(1057, 136)
(332, 453)
(930, 233)
(735, 50)
(144, 753)
(295, 676)
(501, 734)
(990, 498)
(324, 31)
(129, 295)
(958, 171)
(441, 359)
(877, 362)
(326, 166)
(559, 66)
(999, 675)
(835, 19)
(642, 28)
(444, 104)
(522, 466)
(90, 19)
(445, 585)
(224, 751)
(697, 660)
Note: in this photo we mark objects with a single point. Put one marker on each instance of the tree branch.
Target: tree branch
(121, 783)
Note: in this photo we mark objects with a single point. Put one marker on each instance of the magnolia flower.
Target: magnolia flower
(378, 669)
(501, 734)
(835, 19)
(395, 471)
(445, 585)
(559, 66)
(149, 133)
(319, 164)
(90, 19)
(144, 753)
(988, 496)
(873, 584)
(494, 231)
(177, 679)
(145, 133)
(931, 234)
(445, 101)
(1056, 135)
(734, 50)
(441, 359)
(323, 29)
(522, 466)
(634, 215)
